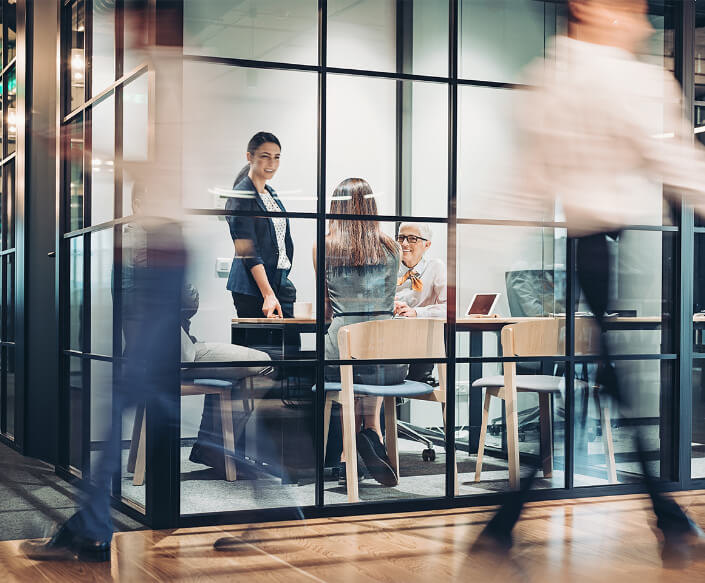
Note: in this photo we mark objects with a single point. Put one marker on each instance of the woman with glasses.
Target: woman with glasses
(361, 275)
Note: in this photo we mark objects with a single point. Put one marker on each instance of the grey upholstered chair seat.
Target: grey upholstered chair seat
(530, 382)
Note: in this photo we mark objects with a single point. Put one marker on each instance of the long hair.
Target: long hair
(351, 242)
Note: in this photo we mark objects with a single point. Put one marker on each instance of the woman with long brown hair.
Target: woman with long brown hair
(361, 273)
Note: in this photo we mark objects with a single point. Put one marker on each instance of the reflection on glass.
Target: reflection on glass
(103, 46)
(135, 132)
(10, 17)
(76, 293)
(77, 56)
(75, 412)
(273, 454)
(101, 292)
(239, 103)
(11, 389)
(103, 162)
(75, 174)
(133, 420)
(605, 451)
(10, 82)
(10, 297)
(101, 408)
(276, 30)
(9, 197)
(698, 408)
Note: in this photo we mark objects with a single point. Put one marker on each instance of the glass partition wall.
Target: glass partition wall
(11, 280)
(419, 98)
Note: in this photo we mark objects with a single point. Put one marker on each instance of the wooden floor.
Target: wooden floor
(600, 540)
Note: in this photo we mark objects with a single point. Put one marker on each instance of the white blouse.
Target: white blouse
(279, 228)
(431, 301)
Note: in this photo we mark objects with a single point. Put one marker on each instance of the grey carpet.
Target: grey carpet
(33, 499)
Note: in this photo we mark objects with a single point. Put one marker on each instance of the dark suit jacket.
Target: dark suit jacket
(255, 238)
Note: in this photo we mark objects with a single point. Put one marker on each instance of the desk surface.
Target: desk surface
(270, 321)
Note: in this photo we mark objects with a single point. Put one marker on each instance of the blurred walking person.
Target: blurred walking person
(591, 147)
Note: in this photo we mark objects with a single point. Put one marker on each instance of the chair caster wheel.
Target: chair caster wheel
(428, 455)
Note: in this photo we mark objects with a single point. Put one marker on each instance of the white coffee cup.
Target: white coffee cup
(303, 310)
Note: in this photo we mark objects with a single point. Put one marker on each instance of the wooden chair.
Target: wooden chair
(137, 456)
(537, 338)
(402, 339)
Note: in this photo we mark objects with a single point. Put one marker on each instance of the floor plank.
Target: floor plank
(588, 540)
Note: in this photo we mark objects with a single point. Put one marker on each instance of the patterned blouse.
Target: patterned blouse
(279, 229)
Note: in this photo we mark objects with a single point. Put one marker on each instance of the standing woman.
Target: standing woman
(259, 275)
(361, 278)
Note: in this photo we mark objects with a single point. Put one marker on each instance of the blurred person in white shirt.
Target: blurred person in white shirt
(602, 130)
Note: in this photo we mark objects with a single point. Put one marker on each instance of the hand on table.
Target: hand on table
(271, 307)
(402, 309)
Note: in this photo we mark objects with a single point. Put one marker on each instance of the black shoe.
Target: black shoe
(375, 458)
(210, 456)
(680, 548)
(66, 546)
(493, 542)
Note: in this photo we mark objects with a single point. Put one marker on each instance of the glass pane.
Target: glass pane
(2, 40)
(498, 38)
(536, 433)
(135, 147)
(11, 119)
(103, 162)
(368, 34)
(10, 197)
(525, 266)
(261, 30)
(10, 17)
(76, 412)
(101, 292)
(75, 174)
(103, 42)
(605, 450)
(642, 293)
(424, 180)
(357, 109)
(11, 389)
(101, 409)
(209, 314)
(136, 19)
(238, 104)
(76, 293)
(10, 297)
(273, 445)
(77, 56)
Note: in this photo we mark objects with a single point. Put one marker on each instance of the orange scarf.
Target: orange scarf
(416, 283)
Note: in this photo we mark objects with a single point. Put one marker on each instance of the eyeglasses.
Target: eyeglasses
(412, 239)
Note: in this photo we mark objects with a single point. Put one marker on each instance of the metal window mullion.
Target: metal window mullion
(319, 396)
(87, 49)
(453, 24)
(572, 291)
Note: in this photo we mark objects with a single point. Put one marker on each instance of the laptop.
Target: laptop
(482, 304)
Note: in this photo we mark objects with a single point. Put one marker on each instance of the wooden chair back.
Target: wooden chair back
(534, 338)
(398, 338)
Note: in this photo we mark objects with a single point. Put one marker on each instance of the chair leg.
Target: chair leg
(483, 434)
(390, 438)
(226, 424)
(455, 459)
(326, 422)
(135, 441)
(545, 427)
(350, 446)
(141, 458)
(512, 442)
(607, 443)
